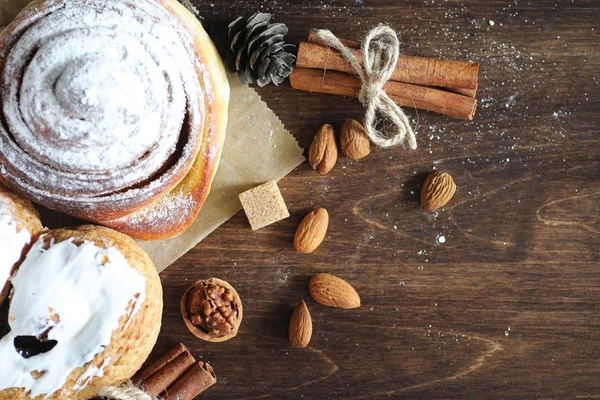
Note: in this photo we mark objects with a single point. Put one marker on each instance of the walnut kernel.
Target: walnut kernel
(212, 310)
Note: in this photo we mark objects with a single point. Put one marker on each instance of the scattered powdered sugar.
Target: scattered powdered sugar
(171, 210)
(105, 109)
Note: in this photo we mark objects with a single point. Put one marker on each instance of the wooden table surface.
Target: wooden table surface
(509, 305)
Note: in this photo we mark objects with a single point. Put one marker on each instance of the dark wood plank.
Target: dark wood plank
(508, 306)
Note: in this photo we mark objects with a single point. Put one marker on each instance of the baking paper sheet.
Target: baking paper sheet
(257, 149)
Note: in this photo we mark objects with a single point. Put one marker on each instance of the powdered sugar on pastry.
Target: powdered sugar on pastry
(73, 295)
(96, 127)
(173, 209)
(12, 242)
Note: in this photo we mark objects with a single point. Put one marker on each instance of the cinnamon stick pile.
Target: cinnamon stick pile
(176, 376)
(443, 86)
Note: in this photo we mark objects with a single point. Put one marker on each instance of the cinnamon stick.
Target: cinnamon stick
(168, 375)
(159, 363)
(198, 378)
(456, 76)
(332, 82)
(315, 39)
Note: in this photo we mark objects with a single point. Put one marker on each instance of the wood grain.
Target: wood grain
(508, 306)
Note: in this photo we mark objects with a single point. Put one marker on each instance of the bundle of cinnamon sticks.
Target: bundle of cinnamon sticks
(443, 86)
(176, 376)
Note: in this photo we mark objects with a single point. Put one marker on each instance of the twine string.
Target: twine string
(127, 391)
(380, 51)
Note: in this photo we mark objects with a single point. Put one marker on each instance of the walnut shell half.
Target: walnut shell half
(212, 310)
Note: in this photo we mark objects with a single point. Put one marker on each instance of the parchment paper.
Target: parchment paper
(257, 149)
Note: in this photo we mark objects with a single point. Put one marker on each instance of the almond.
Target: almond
(300, 326)
(354, 142)
(332, 291)
(438, 189)
(312, 231)
(323, 152)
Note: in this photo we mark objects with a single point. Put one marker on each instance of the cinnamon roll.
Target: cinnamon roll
(113, 111)
(84, 312)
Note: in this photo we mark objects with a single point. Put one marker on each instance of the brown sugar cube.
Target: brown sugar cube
(264, 205)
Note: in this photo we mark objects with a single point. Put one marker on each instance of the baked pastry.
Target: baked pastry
(84, 313)
(114, 111)
(19, 223)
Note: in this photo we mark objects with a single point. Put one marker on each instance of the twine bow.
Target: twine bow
(127, 391)
(380, 51)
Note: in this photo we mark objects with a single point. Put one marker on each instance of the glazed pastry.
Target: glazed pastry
(115, 112)
(19, 223)
(84, 313)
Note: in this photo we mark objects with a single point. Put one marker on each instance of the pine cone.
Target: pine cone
(258, 52)
(191, 8)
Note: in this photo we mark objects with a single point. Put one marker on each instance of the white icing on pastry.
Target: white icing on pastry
(74, 295)
(12, 242)
(90, 374)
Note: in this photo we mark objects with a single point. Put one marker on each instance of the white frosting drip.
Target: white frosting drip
(90, 374)
(12, 242)
(88, 296)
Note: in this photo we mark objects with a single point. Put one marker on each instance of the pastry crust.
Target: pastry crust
(168, 201)
(23, 212)
(159, 220)
(26, 217)
(132, 341)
